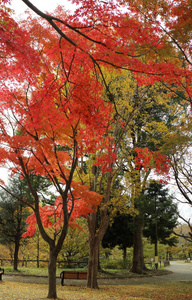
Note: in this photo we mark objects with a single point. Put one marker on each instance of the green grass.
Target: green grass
(107, 273)
(27, 271)
(166, 291)
(33, 271)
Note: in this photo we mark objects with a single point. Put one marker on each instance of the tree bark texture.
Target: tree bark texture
(52, 293)
(93, 263)
(138, 259)
(124, 256)
(97, 225)
(16, 252)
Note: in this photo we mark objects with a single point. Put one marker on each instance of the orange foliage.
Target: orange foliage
(148, 159)
(52, 109)
(85, 202)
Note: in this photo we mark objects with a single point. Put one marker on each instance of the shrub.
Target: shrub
(116, 264)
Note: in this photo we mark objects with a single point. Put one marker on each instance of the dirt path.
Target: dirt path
(179, 271)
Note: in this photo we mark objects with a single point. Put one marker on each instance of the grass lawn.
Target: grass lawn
(107, 273)
(166, 291)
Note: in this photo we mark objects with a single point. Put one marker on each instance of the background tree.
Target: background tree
(152, 122)
(14, 199)
(13, 214)
(161, 215)
(184, 230)
(123, 92)
(184, 240)
(75, 247)
(120, 233)
(12, 225)
(178, 149)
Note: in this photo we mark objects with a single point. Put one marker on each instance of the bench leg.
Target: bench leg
(62, 278)
(62, 281)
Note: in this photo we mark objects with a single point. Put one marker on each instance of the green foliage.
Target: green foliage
(75, 247)
(160, 214)
(15, 200)
(184, 245)
(117, 263)
(119, 233)
(13, 212)
(148, 250)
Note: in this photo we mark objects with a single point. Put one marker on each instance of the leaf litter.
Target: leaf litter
(166, 291)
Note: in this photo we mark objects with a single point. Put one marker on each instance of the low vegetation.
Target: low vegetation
(106, 273)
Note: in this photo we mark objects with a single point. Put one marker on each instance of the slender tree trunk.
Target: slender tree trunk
(138, 259)
(156, 245)
(38, 249)
(52, 294)
(16, 253)
(156, 254)
(96, 233)
(156, 248)
(99, 265)
(124, 256)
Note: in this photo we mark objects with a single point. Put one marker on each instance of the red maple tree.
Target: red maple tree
(52, 113)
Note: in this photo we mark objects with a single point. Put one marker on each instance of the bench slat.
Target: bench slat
(83, 275)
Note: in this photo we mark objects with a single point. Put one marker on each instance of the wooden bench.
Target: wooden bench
(72, 275)
(1, 273)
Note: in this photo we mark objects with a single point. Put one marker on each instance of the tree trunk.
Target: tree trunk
(156, 245)
(52, 294)
(138, 259)
(38, 249)
(99, 265)
(156, 248)
(93, 263)
(97, 225)
(124, 256)
(95, 236)
(16, 253)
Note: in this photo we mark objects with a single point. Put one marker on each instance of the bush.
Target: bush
(116, 264)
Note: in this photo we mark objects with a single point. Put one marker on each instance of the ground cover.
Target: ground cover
(166, 291)
(111, 273)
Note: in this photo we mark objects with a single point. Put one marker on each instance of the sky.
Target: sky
(43, 5)
(49, 6)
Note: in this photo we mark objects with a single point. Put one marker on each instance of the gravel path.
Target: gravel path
(180, 271)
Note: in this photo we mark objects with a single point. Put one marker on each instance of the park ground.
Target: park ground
(165, 291)
(174, 285)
